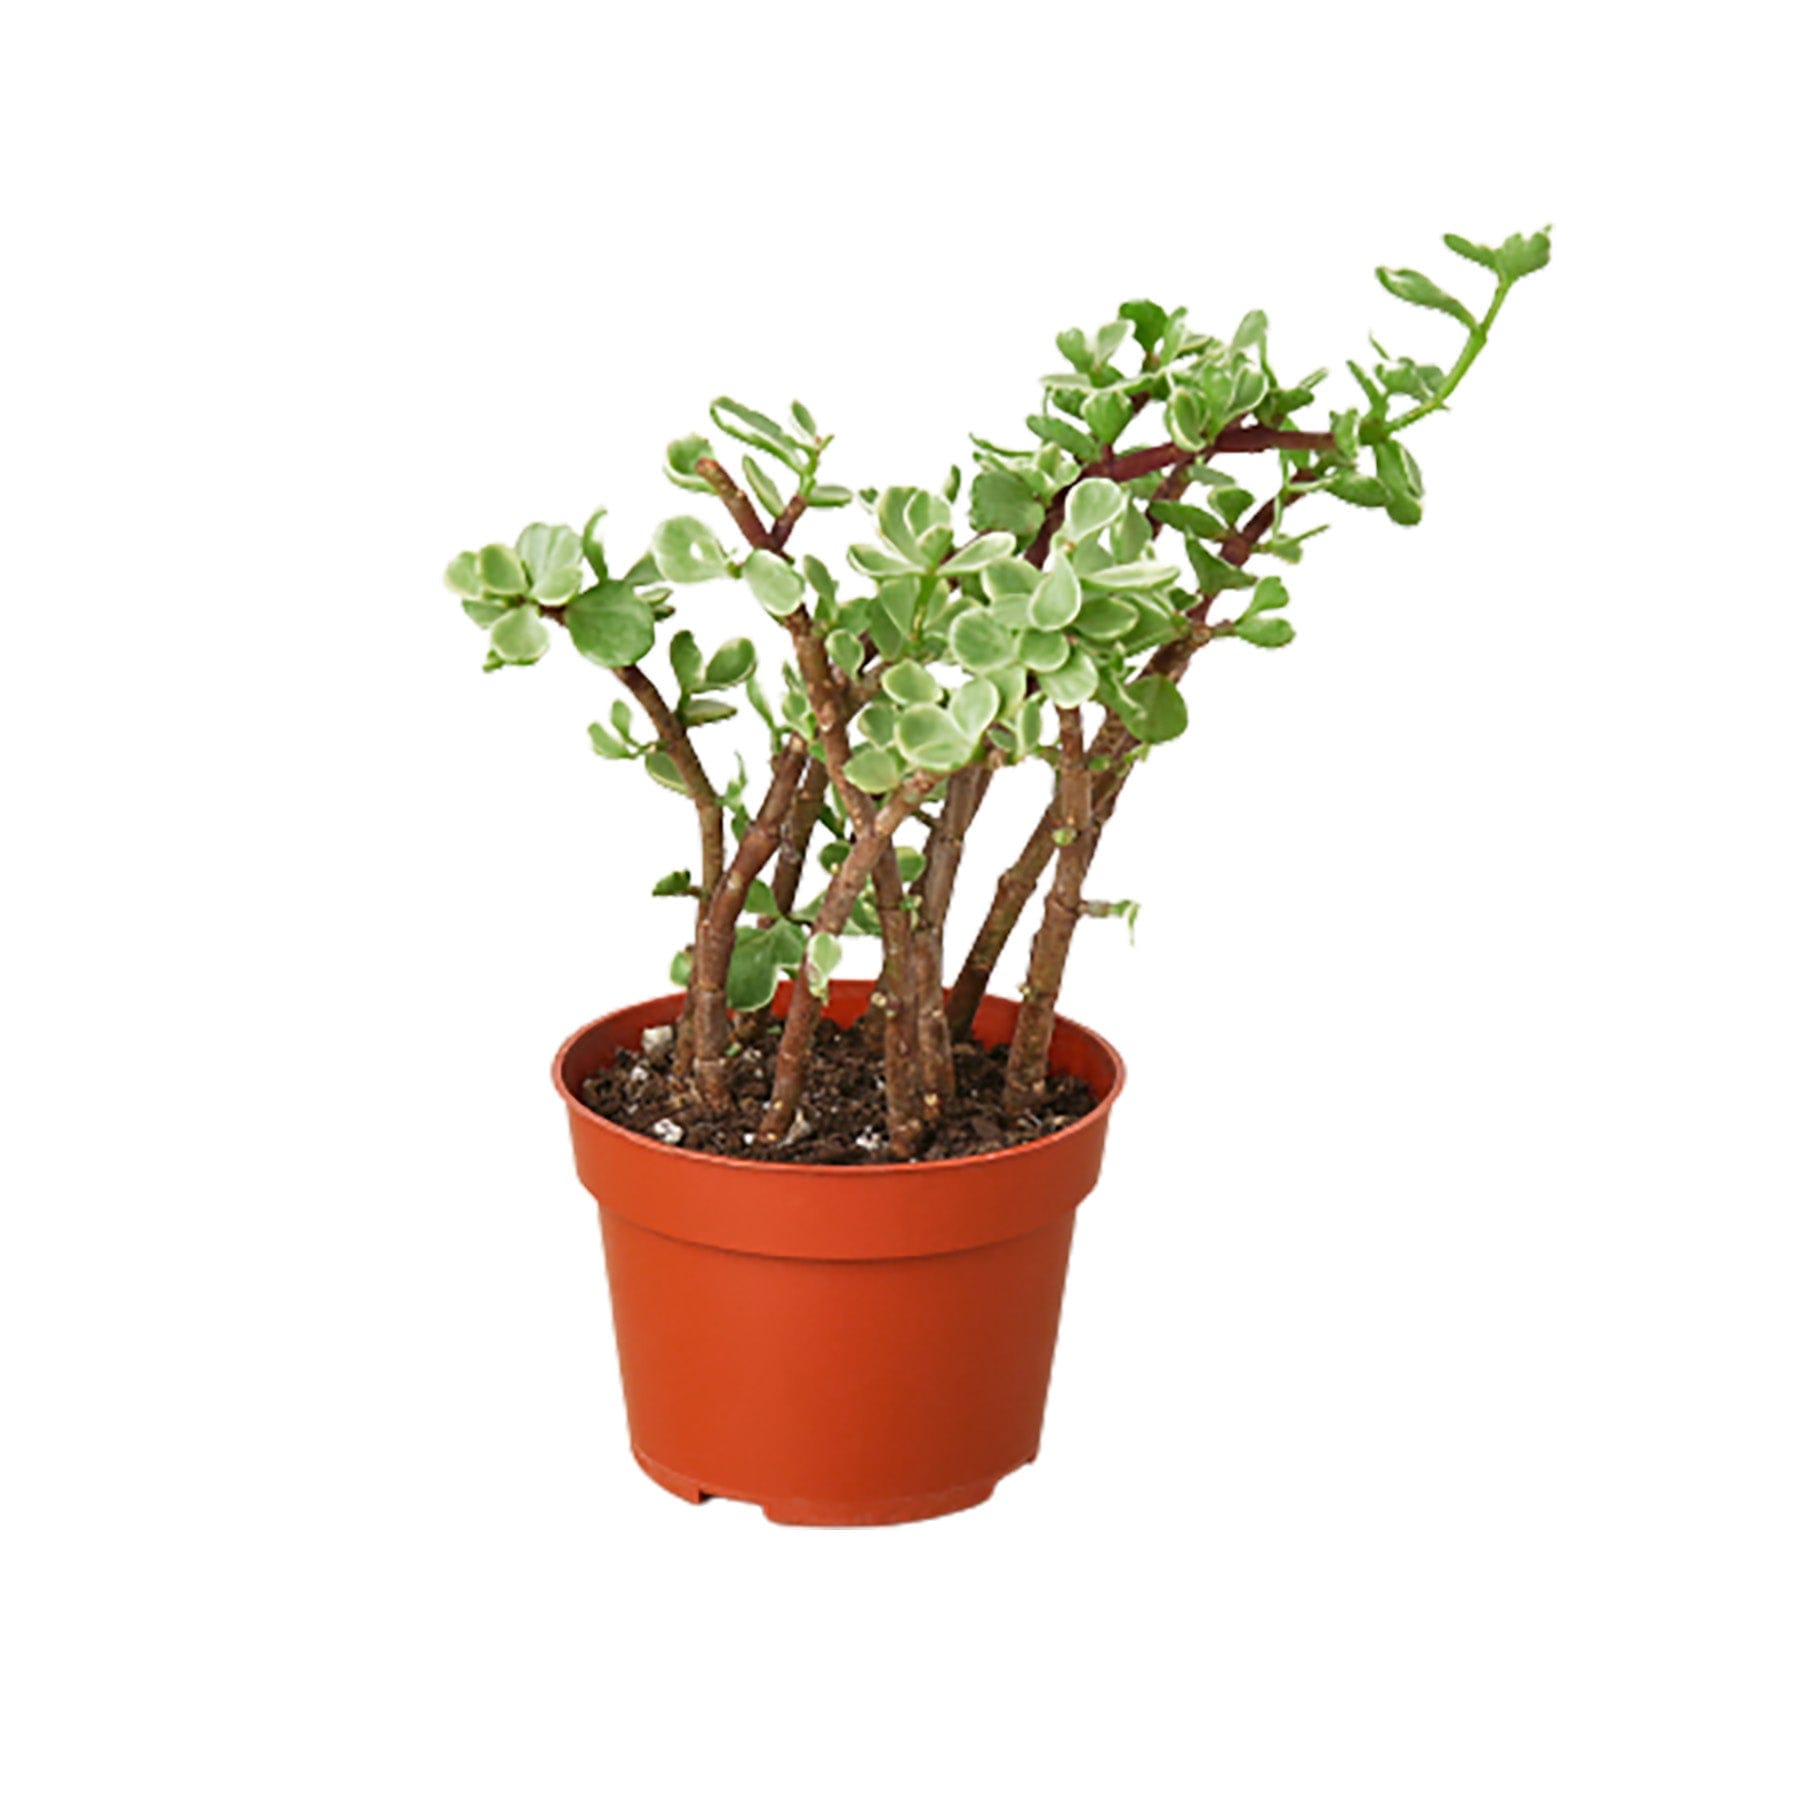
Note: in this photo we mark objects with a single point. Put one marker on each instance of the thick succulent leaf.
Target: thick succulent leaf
(776, 584)
(610, 625)
(1058, 598)
(521, 636)
(686, 550)
(500, 569)
(980, 643)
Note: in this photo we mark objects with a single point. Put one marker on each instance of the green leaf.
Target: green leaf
(1522, 256)
(910, 861)
(1357, 490)
(548, 553)
(679, 461)
(1265, 630)
(980, 643)
(605, 744)
(809, 426)
(911, 684)
(974, 707)
(1073, 683)
(754, 975)
(775, 583)
(464, 576)
(1147, 321)
(1104, 618)
(591, 548)
(823, 955)
(1041, 651)
(610, 625)
(621, 718)
(484, 612)
(823, 581)
(732, 662)
(828, 493)
(1147, 574)
(759, 897)
(1106, 414)
(695, 710)
(1252, 332)
(1154, 711)
(845, 649)
(1420, 290)
(521, 636)
(1270, 595)
(1064, 434)
(876, 561)
(876, 722)
(1233, 502)
(1475, 253)
(758, 480)
(686, 551)
(1189, 519)
(990, 547)
(681, 968)
(1398, 469)
(1001, 501)
(659, 765)
(929, 739)
(1092, 506)
(676, 882)
(500, 570)
(1186, 419)
(1213, 573)
(873, 769)
(686, 660)
(1058, 596)
(759, 431)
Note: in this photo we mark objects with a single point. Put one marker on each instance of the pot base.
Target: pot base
(903, 1511)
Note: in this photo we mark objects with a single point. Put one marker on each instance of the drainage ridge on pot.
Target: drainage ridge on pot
(839, 1345)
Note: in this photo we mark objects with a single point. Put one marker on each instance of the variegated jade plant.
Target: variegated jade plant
(1042, 630)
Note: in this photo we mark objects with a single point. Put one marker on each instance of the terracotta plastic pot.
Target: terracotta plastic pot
(840, 1346)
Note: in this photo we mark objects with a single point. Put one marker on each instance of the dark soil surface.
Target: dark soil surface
(842, 1116)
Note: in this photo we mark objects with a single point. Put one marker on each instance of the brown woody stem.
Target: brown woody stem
(963, 795)
(796, 835)
(1027, 1064)
(718, 930)
(834, 912)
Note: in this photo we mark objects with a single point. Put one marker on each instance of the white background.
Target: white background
(1424, 1420)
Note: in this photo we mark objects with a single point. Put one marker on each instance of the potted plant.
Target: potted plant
(837, 1212)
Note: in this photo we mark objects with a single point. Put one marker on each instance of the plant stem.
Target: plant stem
(1130, 464)
(739, 504)
(963, 795)
(672, 735)
(1027, 1064)
(796, 835)
(834, 912)
(718, 930)
(1473, 346)
(1112, 744)
(783, 527)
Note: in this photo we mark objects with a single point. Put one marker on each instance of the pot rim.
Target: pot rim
(839, 1171)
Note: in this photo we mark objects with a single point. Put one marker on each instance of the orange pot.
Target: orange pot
(839, 1346)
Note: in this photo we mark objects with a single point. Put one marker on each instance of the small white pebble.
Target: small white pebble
(869, 1140)
(656, 1039)
(667, 1130)
(638, 1074)
(800, 1127)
